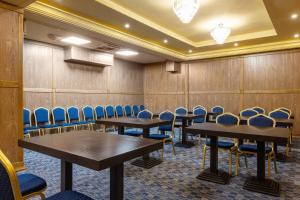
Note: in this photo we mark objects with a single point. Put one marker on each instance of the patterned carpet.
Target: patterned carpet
(174, 179)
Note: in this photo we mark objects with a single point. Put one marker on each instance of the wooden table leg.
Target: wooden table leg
(121, 130)
(117, 182)
(184, 143)
(146, 161)
(260, 183)
(212, 174)
(66, 175)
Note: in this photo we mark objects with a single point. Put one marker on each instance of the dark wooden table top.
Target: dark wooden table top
(91, 149)
(133, 122)
(188, 116)
(271, 134)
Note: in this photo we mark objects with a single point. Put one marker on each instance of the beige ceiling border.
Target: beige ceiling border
(82, 22)
(141, 19)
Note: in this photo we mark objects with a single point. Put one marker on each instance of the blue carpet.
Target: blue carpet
(174, 179)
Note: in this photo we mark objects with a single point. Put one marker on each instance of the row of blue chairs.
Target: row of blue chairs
(70, 117)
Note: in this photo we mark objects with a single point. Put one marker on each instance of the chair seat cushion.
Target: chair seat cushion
(165, 128)
(252, 148)
(158, 136)
(30, 183)
(222, 144)
(132, 132)
(68, 195)
(91, 121)
(49, 126)
(67, 124)
(80, 123)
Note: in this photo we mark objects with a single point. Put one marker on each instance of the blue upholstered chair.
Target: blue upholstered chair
(142, 107)
(248, 112)
(110, 111)
(258, 109)
(217, 109)
(200, 111)
(25, 186)
(59, 118)
(128, 111)
(260, 121)
(73, 116)
(286, 110)
(136, 110)
(88, 116)
(168, 116)
(99, 112)
(145, 114)
(28, 128)
(279, 114)
(119, 111)
(180, 111)
(42, 120)
(199, 106)
(227, 119)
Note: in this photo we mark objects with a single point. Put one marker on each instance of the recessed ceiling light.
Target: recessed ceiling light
(127, 25)
(294, 16)
(296, 35)
(127, 53)
(236, 44)
(165, 41)
(75, 40)
(190, 51)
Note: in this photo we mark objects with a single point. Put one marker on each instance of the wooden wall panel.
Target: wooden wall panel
(65, 84)
(11, 95)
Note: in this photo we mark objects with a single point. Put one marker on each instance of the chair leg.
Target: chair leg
(204, 156)
(275, 164)
(162, 151)
(246, 162)
(174, 152)
(287, 149)
(42, 196)
(237, 163)
(230, 163)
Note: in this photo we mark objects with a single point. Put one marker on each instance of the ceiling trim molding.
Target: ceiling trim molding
(260, 48)
(141, 19)
(82, 22)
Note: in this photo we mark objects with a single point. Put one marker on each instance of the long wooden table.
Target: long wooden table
(92, 150)
(260, 135)
(146, 161)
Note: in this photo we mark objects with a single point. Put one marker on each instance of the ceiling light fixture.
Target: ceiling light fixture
(186, 9)
(127, 26)
(190, 51)
(75, 40)
(296, 35)
(125, 52)
(294, 16)
(236, 44)
(165, 41)
(220, 33)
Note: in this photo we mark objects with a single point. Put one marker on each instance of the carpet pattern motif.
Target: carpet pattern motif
(174, 179)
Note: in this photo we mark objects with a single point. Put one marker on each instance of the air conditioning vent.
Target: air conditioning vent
(107, 47)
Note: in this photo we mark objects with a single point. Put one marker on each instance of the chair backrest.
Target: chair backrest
(258, 109)
(248, 112)
(9, 185)
(286, 110)
(73, 113)
(279, 114)
(228, 119)
(110, 111)
(41, 115)
(168, 116)
(119, 111)
(135, 109)
(128, 111)
(59, 115)
(217, 109)
(181, 111)
(99, 112)
(142, 107)
(145, 114)
(26, 117)
(200, 111)
(88, 113)
(198, 106)
(261, 120)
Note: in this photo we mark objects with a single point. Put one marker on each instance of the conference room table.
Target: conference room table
(92, 150)
(289, 123)
(146, 161)
(260, 135)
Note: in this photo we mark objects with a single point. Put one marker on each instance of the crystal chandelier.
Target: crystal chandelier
(186, 9)
(220, 33)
